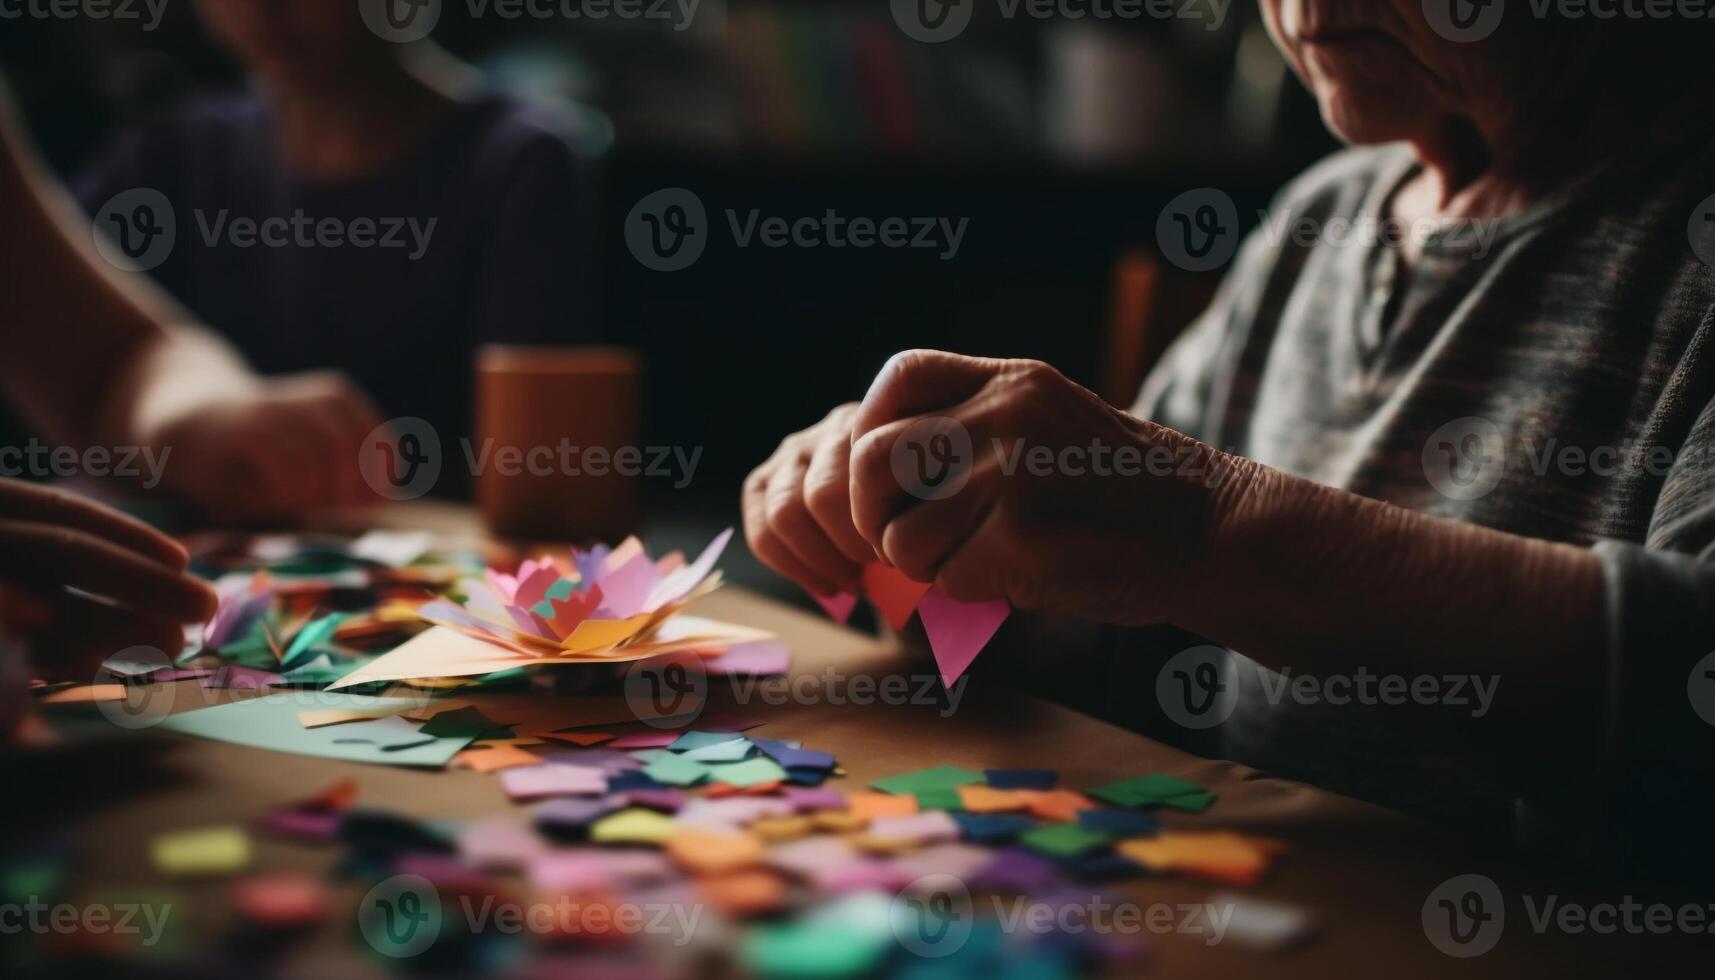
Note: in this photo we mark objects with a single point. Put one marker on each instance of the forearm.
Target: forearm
(1321, 580)
(88, 344)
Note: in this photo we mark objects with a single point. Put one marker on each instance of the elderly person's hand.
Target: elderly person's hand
(1002, 479)
(1041, 494)
(797, 508)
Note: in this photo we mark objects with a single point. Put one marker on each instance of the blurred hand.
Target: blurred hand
(1057, 502)
(83, 582)
(278, 453)
(797, 508)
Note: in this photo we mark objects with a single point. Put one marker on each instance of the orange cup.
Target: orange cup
(551, 424)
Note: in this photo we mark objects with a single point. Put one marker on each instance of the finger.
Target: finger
(916, 382)
(921, 539)
(827, 492)
(984, 566)
(43, 558)
(890, 467)
(48, 505)
(789, 519)
(87, 632)
(766, 546)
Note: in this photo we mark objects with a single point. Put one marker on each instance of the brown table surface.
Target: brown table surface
(1364, 872)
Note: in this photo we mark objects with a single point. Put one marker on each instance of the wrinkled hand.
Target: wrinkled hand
(797, 508)
(995, 479)
(285, 450)
(81, 582)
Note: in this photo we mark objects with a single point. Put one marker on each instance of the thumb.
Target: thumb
(913, 382)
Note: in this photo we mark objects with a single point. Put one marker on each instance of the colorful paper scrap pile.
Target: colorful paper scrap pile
(391, 610)
(598, 606)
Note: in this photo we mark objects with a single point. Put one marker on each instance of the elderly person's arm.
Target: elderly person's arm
(1170, 530)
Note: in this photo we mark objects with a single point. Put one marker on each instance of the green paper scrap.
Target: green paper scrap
(1191, 802)
(701, 740)
(750, 772)
(846, 938)
(272, 723)
(31, 877)
(942, 798)
(1063, 840)
(315, 634)
(1156, 789)
(676, 770)
(560, 591)
(317, 672)
(940, 777)
(730, 751)
(250, 650)
(465, 722)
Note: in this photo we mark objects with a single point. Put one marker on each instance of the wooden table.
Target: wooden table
(1363, 871)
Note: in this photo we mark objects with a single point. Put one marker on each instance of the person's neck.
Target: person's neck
(1487, 168)
(360, 123)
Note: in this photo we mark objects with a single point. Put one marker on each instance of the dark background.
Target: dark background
(768, 105)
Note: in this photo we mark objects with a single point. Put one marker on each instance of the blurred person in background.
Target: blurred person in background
(454, 216)
(1350, 435)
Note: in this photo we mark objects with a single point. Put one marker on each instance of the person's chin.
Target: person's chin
(1360, 114)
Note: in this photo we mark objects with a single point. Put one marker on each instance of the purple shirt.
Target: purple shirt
(480, 235)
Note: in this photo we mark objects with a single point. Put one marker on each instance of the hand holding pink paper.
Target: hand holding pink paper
(957, 631)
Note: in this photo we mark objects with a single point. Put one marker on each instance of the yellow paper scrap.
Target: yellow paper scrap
(205, 851)
(633, 826)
